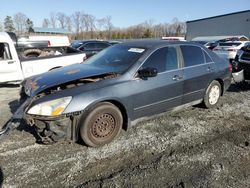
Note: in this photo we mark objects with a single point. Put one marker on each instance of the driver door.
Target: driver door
(162, 92)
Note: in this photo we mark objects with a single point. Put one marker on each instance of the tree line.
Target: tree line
(85, 26)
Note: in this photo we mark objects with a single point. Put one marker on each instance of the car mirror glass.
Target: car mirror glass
(147, 72)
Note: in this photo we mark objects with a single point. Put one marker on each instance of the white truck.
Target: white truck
(14, 68)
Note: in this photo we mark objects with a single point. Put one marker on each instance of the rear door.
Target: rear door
(198, 72)
(160, 93)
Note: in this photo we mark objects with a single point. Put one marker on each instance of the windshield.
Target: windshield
(117, 58)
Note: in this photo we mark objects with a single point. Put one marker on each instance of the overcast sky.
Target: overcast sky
(124, 12)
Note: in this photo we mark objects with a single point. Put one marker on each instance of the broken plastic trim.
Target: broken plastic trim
(9, 125)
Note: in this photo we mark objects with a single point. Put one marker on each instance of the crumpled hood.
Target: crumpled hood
(38, 83)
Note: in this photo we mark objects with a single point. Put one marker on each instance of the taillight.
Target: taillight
(230, 67)
(49, 44)
(231, 50)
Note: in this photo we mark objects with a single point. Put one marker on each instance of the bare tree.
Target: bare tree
(1, 26)
(53, 19)
(100, 23)
(77, 21)
(45, 23)
(20, 22)
(84, 24)
(108, 26)
(61, 17)
(69, 24)
(91, 20)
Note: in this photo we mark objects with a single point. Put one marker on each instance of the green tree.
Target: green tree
(29, 26)
(8, 24)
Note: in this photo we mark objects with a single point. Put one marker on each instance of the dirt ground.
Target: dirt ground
(193, 147)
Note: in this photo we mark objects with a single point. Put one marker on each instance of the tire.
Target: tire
(212, 95)
(30, 53)
(101, 124)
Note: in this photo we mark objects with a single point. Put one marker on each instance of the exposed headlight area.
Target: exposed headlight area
(50, 108)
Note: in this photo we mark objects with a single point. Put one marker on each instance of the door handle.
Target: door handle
(210, 69)
(177, 77)
(11, 62)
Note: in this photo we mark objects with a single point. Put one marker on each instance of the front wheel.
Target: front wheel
(101, 124)
(212, 95)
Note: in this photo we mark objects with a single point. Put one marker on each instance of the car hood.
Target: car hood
(38, 83)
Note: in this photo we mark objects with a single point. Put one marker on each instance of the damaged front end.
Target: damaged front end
(47, 115)
(50, 130)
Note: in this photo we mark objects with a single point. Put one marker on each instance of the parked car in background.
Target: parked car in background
(241, 64)
(230, 48)
(174, 38)
(211, 45)
(113, 42)
(119, 86)
(90, 47)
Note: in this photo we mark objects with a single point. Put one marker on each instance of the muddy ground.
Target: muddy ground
(193, 147)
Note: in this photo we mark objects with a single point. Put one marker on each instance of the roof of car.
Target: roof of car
(153, 43)
(85, 41)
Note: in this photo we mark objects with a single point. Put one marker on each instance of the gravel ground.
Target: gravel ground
(193, 147)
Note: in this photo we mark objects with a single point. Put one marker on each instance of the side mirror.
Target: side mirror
(148, 72)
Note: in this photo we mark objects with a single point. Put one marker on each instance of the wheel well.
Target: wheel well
(123, 111)
(115, 103)
(222, 85)
(54, 68)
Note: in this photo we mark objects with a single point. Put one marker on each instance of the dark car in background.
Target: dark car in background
(90, 47)
(241, 64)
(120, 85)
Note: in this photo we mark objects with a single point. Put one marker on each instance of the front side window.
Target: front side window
(163, 59)
(192, 55)
(89, 46)
(4, 51)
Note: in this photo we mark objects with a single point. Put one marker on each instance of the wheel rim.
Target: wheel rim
(214, 95)
(103, 127)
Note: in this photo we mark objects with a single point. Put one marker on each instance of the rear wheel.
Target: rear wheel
(212, 95)
(101, 124)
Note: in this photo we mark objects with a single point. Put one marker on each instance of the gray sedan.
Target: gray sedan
(120, 85)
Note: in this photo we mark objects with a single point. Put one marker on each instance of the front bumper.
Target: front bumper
(53, 129)
(49, 129)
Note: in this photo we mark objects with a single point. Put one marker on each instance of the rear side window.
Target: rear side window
(163, 59)
(4, 51)
(102, 45)
(208, 59)
(192, 55)
(89, 46)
